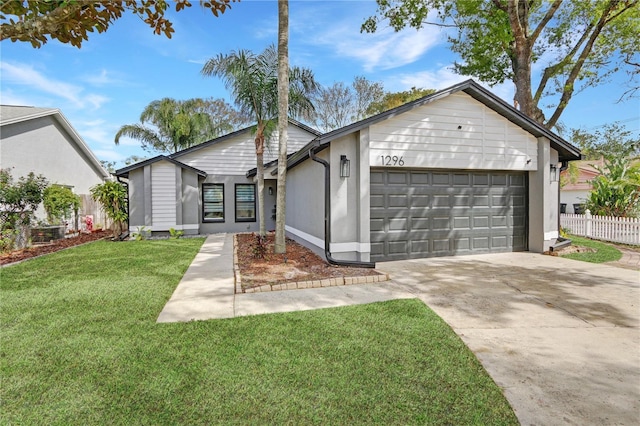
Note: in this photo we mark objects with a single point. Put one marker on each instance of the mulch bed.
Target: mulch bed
(40, 249)
(298, 264)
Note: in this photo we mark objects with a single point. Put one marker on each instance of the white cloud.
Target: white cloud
(106, 78)
(383, 50)
(23, 74)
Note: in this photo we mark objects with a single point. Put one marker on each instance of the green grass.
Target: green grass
(604, 252)
(79, 345)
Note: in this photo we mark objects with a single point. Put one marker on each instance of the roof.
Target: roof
(124, 172)
(237, 132)
(12, 114)
(566, 151)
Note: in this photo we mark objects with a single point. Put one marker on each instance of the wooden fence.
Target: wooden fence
(623, 230)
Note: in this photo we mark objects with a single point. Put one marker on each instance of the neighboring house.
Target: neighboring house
(206, 188)
(456, 172)
(575, 191)
(42, 141)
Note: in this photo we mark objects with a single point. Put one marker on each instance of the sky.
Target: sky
(108, 82)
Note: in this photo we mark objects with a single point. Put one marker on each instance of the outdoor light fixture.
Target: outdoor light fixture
(553, 173)
(270, 191)
(344, 166)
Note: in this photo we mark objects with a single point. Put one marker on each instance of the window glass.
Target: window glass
(245, 202)
(213, 202)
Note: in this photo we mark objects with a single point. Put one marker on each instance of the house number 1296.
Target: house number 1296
(392, 160)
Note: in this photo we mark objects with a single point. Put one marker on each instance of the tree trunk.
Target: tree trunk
(260, 177)
(521, 52)
(283, 121)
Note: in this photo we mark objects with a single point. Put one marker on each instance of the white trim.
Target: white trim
(334, 247)
(551, 235)
(164, 228)
(308, 237)
(349, 247)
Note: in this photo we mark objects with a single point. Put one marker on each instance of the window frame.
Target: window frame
(235, 199)
(217, 219)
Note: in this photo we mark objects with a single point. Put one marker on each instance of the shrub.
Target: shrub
(59, 202)
(113, 197)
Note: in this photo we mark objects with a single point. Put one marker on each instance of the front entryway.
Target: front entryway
(426, 213)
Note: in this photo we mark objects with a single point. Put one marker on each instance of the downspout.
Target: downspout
(327, 218)
(561, 242)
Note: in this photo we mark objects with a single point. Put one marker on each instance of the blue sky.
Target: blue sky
(109, 81)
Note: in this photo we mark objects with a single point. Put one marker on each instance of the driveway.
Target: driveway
(560, 337)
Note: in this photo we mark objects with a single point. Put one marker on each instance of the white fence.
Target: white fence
(623, 230)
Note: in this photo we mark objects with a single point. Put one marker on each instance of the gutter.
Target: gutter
(327, 217)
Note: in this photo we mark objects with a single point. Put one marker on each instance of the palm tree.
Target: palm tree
(175, 125)
(253, 82)
(283, 123)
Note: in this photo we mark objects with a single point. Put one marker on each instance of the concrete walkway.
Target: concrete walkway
(206, 291)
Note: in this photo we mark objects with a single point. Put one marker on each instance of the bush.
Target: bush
(18, 201)
(59, 202)
(113, 197)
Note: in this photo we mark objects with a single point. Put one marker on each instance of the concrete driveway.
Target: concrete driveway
(560, 337)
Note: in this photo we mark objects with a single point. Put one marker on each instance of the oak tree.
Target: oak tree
(71, 21)
(579, 43)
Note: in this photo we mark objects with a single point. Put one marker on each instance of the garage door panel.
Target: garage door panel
(501, 241)
(417, 178)
(440, 201)
(480, 180)
(461, 179)
(377, 200)
(441, 246)
(417, 213)
(461, 245)
(398, 224)
(419, 200)
(397, 247)
(498, 221)
(441, 179)
(462, 222)
(396, 178)
(400, 200)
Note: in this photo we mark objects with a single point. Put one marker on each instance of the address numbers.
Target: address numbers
(392, 160)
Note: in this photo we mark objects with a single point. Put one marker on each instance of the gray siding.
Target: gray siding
(305, 203)
(190, 203)
(454, 132)
(236, 155)
(137, 200)
(163, 195)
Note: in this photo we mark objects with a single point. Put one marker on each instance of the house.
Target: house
(206, 189)
(457, 172)
(42, 141)
(575, 190)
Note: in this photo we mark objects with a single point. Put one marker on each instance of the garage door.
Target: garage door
(418, 213)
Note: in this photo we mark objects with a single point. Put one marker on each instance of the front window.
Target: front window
(213, 202)
(245, 202)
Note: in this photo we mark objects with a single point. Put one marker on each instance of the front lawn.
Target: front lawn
(603, 252)
(80, 345)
